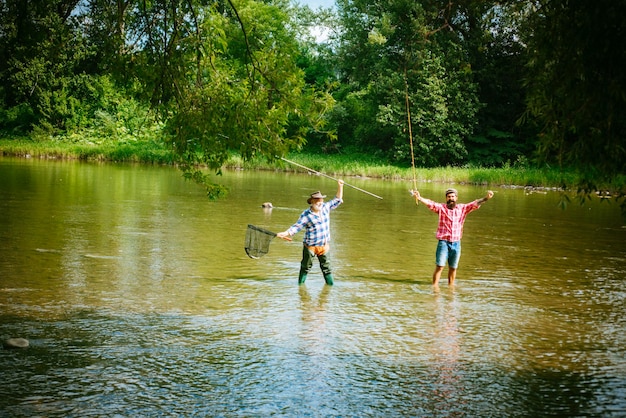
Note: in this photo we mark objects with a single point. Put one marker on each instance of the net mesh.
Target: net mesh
(258, 241)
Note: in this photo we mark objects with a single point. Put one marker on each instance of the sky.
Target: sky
(314, 4)
(321, 34)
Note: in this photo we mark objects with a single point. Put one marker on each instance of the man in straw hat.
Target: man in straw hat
(450, 230)
(316, 222)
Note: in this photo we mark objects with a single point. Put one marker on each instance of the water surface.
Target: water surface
(138, 300)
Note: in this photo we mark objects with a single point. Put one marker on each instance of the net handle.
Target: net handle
(265, 231)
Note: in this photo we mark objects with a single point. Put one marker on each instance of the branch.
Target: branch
(249, 51)
(445, 15)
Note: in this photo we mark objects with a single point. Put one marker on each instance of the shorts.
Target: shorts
(448, 253)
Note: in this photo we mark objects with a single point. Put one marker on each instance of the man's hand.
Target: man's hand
(416, 195)
(339, 193)
(284, 235)
(487, 197)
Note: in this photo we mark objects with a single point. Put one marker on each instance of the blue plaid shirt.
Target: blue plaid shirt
(317, 232)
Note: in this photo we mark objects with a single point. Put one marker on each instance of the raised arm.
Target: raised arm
(487, 197)
(339, 194)
(417, 196)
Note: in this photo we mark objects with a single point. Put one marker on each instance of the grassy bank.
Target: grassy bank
(337, 165)
(363, 165)
(135, 151)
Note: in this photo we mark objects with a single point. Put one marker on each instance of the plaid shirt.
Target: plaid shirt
(451, 220)
(317, 232)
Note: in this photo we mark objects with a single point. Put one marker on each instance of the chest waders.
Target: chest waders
(308, 254)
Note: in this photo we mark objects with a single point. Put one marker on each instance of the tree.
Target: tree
(576, 85)
(396, 50)
(490, 33)
(576, 89)
(225, 79)
(222, 75)
(42, 65)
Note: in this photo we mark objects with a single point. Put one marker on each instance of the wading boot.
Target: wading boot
(329, 279)
(301, 277)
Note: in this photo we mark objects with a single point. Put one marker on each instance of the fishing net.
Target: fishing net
(258, 241)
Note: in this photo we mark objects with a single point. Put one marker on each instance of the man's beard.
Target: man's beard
(451, 204)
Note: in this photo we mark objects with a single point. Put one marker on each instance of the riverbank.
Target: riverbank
(339, 165)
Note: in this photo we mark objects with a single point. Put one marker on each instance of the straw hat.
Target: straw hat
(316, 195)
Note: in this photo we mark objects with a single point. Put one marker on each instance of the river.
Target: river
(138, 299)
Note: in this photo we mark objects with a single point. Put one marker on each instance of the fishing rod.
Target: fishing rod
(327, 176)
(408, 115)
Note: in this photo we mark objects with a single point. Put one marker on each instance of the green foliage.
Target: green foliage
(577, 85)
(391, 52)
(247, 78)
(496, 56)
(214, 191)
(150, 152)
(494, 148)
(222, 78)
(17, 119)
(44, 65)
(228, 81)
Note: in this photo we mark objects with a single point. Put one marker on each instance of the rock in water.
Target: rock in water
(16, 343)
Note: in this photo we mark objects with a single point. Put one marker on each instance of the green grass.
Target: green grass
(336, 165)
(366, 166)
(133, 151)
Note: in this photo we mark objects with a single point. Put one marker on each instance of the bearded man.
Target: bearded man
(316, 222)
(450, 230)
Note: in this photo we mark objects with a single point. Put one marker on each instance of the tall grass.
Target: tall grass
(366, 166)
(133, 151)
(337, 165)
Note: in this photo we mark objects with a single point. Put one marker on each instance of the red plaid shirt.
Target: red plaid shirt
(451, 220)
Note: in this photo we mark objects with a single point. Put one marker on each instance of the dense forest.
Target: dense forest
(468, 82)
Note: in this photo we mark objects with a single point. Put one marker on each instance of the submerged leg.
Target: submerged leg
(437, 275)
(305, 264)
(329, 279)
(326, 271)
(451, 275)
(441, 259)
(453, 261)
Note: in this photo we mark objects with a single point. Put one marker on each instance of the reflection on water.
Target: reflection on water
(445, 347)
(139, 300)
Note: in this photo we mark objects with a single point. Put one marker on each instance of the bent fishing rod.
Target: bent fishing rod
(327, 176)
(324, 175)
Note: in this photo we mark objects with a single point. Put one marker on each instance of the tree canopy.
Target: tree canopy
(576, 87)
(475, 82)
